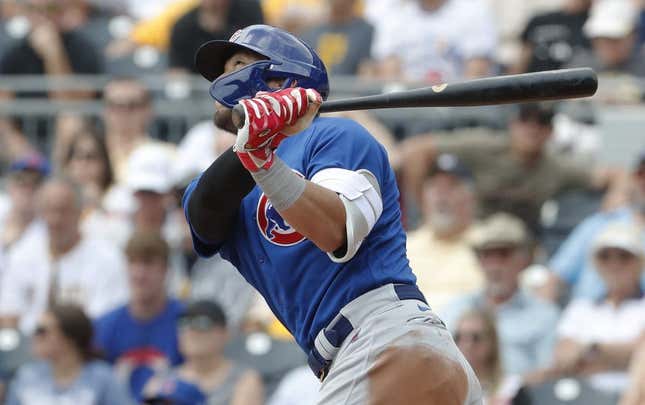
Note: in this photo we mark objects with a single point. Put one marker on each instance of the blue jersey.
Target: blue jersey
(300, 283)
(139, 349)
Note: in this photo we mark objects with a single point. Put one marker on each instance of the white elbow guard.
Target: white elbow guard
(360, 193)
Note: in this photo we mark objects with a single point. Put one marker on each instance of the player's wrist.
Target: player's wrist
(282, 186)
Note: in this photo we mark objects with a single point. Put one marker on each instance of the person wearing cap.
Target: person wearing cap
(18, 216)
(526, 324)
(513, 171)
(63, 266)
(596, 338)
(203, 334)
(573, 274)
(439, 253)
(612, 27)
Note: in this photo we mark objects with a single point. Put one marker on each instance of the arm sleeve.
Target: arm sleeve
(212, 202)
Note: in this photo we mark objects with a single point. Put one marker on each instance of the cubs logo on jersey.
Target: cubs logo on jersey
(273, 227)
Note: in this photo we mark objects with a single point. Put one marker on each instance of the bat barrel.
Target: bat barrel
(522, 88)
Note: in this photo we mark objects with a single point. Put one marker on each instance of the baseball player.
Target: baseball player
(307, 209)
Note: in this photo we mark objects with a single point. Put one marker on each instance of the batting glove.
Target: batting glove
(266, 115)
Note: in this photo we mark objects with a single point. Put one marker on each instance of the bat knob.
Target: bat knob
(238, 115)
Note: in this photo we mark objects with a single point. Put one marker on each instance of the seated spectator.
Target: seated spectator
(127, 116)
(431, 50)
(67, 370)
(140, 338)
(612, 27)
(170, 389)
(295, 16)
(514, 172)
(503, 248)
(572, 270)
(550, 40)
(476, 337)
(211, 19)
(344, 40)
(62, 266)
(18, 219)
(635, 394)
(439, 253)
(596, 338)
(202, 336)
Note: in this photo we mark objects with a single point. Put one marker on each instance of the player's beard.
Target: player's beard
(223, 119)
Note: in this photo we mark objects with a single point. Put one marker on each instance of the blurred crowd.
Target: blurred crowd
(530, 250)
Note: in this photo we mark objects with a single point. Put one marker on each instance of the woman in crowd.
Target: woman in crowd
(476, 337)
(67, 370)
(202, 336)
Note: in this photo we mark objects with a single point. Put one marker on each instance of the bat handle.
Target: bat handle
(238, 115)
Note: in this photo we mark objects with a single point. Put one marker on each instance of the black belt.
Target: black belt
(339, 331)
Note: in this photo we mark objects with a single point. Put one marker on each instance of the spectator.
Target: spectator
(295, 16)
(504, 249)
(635, 394)
(202, 336)
(212, 19)
(439, 252)
(476, 337)
(612, 28)
(172, 390)
(62, 266)
(140, 338)
(344, 40)
(596, 338)
(127, 115)
(415, 43)
(513, 172)
(18, 219)
(572, 270)
(550, 40)
(67, 370)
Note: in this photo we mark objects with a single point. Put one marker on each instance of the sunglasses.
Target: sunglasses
(41, 331)
(622, 256)
(126, 105)
(474, 337)
(200, 323)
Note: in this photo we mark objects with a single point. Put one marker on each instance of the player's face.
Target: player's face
(222, 118)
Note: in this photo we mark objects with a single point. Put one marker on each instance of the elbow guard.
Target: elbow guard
(360, 193)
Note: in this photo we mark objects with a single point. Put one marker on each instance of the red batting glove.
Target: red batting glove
(266, 115)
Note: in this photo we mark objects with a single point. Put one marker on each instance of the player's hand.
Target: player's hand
(269, 118)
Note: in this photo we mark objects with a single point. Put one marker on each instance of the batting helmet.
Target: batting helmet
(287, 58)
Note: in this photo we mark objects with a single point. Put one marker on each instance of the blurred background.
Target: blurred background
(525, 222)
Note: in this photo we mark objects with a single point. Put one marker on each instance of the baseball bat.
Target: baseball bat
(520, 88)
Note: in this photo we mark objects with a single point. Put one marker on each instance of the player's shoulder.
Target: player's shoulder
(344, 129)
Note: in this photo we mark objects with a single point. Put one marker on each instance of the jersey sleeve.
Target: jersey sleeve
(346, 145)
(203, 247)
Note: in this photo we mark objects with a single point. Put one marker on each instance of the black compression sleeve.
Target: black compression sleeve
(215, 201)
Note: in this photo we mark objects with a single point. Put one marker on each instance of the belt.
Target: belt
(329, 339)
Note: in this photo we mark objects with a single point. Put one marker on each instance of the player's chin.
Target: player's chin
(223, 119)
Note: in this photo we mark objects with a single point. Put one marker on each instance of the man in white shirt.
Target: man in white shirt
(62, 265)
(435, 41)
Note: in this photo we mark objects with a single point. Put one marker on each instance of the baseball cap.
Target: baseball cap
(541, 113)
(150, 168)
(31, 162)
(621, 235)
(449, 163)
(175, 391)
(203, 314)
(498, 230)
(611, 19)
